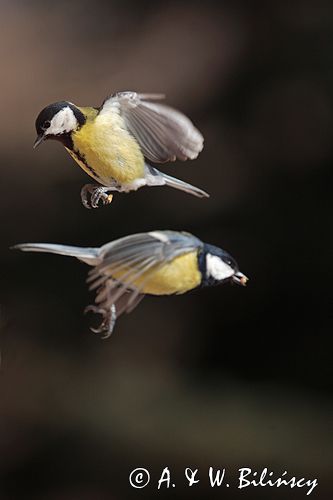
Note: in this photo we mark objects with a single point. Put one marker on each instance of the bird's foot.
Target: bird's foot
(108, 319)
(93, 194)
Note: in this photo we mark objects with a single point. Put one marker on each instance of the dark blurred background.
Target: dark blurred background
(224, 377)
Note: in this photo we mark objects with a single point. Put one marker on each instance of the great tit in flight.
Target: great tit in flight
(153, 263)
(113, 143)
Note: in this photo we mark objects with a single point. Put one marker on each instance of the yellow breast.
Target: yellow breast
(108, 149)
(178, 276)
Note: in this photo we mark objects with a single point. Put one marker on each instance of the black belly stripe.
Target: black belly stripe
(68, 143)
(82, 159)
(92, 170)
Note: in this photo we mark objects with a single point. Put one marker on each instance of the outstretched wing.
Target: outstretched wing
(164, 134)
(129, 263)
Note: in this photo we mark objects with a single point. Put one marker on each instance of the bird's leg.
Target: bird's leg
(108, 322)
(93, 194)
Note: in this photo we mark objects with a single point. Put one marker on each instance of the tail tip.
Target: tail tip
(205, 195)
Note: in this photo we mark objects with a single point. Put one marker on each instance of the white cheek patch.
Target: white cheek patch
(218, 269)
(62, 122)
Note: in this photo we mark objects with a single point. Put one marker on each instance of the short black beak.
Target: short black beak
(240, 278)
(40, 138)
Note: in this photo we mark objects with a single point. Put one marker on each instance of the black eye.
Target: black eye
(46, 124)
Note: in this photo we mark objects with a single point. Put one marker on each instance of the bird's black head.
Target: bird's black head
(57, 121)
(217, 266)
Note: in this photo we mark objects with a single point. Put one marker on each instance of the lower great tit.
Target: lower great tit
(154, 263)
(111, 143)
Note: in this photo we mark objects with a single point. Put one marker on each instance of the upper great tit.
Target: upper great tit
(154, 263)
(111, 143)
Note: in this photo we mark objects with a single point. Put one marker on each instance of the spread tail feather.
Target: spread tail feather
(160, 178)
(88, 255)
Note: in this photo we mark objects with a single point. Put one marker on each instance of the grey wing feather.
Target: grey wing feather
(129, 259)
(88, 255)
(159, 245)
(164, 134)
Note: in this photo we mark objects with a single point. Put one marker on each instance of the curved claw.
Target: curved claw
(108, 322)
(100, 329)
(97, 310)
(93, 194)
(94, 309)
(100, 194)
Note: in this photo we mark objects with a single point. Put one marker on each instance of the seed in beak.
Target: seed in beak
(240, 278)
